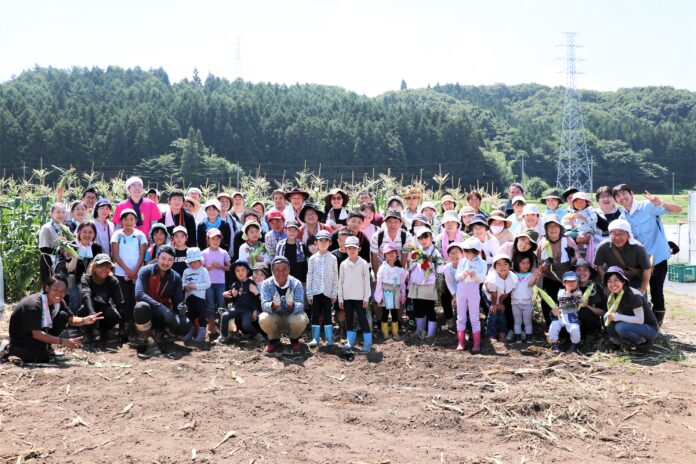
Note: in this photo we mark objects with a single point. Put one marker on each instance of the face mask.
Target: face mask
(497, 229)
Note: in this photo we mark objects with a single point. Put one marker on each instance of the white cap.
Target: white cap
(420, 231)
(427, 204)
(212, 202)
(518, 198)
(472, 243)
(582, 196)
(530, 209)
(622, 224)
(132, 180)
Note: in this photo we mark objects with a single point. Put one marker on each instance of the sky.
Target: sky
(367, 46)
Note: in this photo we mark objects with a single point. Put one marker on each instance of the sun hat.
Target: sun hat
(552, 195)
(193, 254)
(315, 208)
(412, 192)
(499, 216)
(336, 191)
(530, 209)
(472, 243)
(617, 271)
(126, 212)
(214, 202)
(297, 191)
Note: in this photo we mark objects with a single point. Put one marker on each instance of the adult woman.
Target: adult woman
(213, 221)
(518, 204)
(500, 227)
(607, 211)
(474, 200)
(311, 215)
(334, 208)
(101, 294)
(146, 211)
(259, 208)
(297, 198)
(448, 203)
(629, 316)
(38, 320)
(556, 255)
(490, 245)
(73, 268)
(593, 308)
(197, 196)
(466, 214)
(178, 215)
(368, 228)
(105, 228)
(531, 220)
(78, 215)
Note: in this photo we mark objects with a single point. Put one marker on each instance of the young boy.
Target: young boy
(565, 315)
(500, 282)
(253, 250)
(128, 250)
(322, 277)
(293, 249)
(354, 293)
(244, 294)
(196, 282)
(179, 238)
(276, 221)
(159, 235)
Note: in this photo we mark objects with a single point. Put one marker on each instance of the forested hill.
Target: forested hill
(128, 120)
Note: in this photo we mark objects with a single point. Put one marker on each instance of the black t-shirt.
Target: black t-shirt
(633, 299)
(298, 269)
(245, 301)
(27, 317)
(633, 256)
(180, 261)
(340, 257)
(95, 295)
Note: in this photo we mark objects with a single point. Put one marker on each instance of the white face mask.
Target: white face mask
(497, 229)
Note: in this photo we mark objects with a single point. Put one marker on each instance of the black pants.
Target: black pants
(590, 323)
(424, 308)
(551, 287)
(394, 315)
(446, 301)
(159, 317)
(126, 309)
(196, 310)
(321, 310)
(356, 306)
(657, 296)
(109, 313)
(35, 351)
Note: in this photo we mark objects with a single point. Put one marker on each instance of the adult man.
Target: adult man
(412, 196)
(178, 216)
(646, 225)
(89, 199)
(280, 204)
(515, 190)
(624, 251)
(393, 234)
(158, 293)
(353, 224)
(282, 303)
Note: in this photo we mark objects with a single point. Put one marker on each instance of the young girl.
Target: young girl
(390, 289)
(552, 201)
(522, 295)
(254, 250)
(49, 235)
(128, 250)
(499, 283)
(582, 224)
(471, 272)
(105, 228)
(179, 239)
(196, 281)
(217, 262)
(159, 236)
(354, 293)
(244, 294)
(322, 277)
(425, 264)
(565, 315)
(450, 234)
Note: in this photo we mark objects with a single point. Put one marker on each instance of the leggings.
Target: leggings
(196, 310)
(522, 313)
(321, 310)
(424, 308)
(126, 309)
(394, 314)
(356, 306)
(468, 300)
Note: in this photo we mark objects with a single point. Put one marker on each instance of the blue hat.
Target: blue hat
(241, 262)
(570, 275)
(193, 254)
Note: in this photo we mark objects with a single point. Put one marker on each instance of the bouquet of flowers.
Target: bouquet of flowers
(424, 260)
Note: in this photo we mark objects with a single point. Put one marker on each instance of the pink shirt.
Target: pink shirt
(149, 212)
(217, 276)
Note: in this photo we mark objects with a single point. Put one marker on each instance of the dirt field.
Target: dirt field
(408, 402)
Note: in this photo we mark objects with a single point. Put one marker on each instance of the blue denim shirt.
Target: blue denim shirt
(647, 228)
(268, 291)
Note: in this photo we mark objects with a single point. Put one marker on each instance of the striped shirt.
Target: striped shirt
(322, 275)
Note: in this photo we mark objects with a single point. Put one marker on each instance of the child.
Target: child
(196, 281)
(582, 223)
(179, 239)
(293, 249)
(471, 272)
(253, 250)
(159, 236)
(499, 283)
(128, 250)
(213, 220)
(322, 275)
(260, 274)
(217, 262)
(566, 314)
(450, 234)
(244, 294)
(521, 297)
(552, 201)
(341, 255)
(426, 263)
(49, 236)
(390, 289)
(354, 293)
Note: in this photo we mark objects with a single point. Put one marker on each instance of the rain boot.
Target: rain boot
(200, 335)
(316, 330)
(395, 329)
(432, 328)
(461, 340)
(477, 343)
(420, 326)
(385, 330)
(351, 335)
(367, 342)
(328, 333)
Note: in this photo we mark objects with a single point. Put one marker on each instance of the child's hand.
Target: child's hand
(228, 294)
(340, 305)
(366, 304)
(537, 272)
(254, 315)
(253, 289)
(454, 303)
(189, 287)
(610, 317)
(333, 301)
(555, 312)
(584, 303)
(234, 293)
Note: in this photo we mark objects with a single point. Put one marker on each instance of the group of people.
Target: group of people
(227, 268)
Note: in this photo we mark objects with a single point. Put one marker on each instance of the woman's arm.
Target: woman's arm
(637, 318)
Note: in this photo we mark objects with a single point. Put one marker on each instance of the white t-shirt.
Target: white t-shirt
(494, 283)
(522, 291)
(128, 248)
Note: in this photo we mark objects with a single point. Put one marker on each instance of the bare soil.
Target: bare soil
(407, 402)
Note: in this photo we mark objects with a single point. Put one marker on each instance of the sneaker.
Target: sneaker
(518, 338)
(213, 336)
(510, 336)
(644, 348)
(270, 347)
(223, 340)
(151, 348)
(555, 349)
(573, 349)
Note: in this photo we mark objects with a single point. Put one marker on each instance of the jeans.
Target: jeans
(159, 317)
(497, 323)
(244, 320)
(634, 333)
(215, 299)
(657, 296)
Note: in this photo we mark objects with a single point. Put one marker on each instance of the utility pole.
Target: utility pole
(24, 170)
(672, 185)
(573, 168)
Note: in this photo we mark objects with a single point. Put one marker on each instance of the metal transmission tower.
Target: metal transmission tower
(238, 60)
(573, 162)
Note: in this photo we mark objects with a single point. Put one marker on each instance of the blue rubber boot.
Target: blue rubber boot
(351, 335)
(316, 330)
(420, 326)
(367, 342)
(328, 333)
